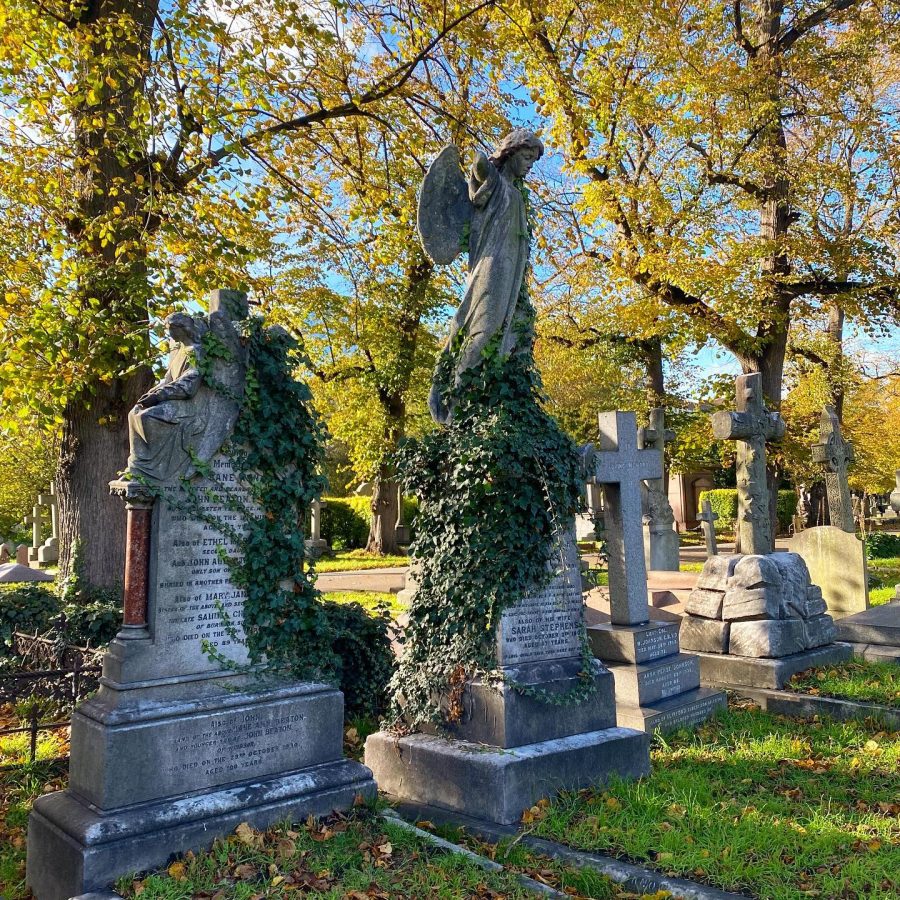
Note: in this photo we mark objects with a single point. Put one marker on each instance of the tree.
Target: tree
(134, 156)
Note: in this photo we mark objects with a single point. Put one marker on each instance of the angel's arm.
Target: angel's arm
(483, 179)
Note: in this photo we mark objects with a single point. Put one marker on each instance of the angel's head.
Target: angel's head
(518, 152)
(183, 328)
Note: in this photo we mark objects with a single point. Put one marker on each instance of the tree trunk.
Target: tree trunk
(835, 373)
(385, 508)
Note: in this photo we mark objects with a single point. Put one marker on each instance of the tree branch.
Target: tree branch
(739, 35)
(731, 178)
(807, 23)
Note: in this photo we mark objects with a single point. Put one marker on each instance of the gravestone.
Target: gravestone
(657, 686)
(895, 494)
(316, 545)
(7, 550)
(835, 556)
(661, 542)
(22, 554)
(48, 552)
(708, 524)
(181, 745)
(36, 521)
(756, 619)
(401, 529)
(751, 425)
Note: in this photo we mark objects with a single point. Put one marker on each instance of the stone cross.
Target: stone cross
(708, 524)
(751, 425)
(661, 547)
(49, 500)
(835, 453)
(620, 466)
(895, 494)
(35, 520)
(655, 436)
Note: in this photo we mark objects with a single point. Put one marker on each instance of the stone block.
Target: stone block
(683, 711)
(715, 572)
(819, 630)
(753, 571)
(633, 643)
(837, 564)
(502, 716)
(878, 625)
(795, 579)
(752, 603)
(498, 785)
(640, 685)
(705, 602)
(767, 638)
(876, 652)
(74, 848)
(725, 670)
(705, 635)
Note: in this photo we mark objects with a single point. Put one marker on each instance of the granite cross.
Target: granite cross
(50, 500)
(35, 520)
(834, 453)
(708, 524)
(751, 425)
(620, 466)
(655, 436)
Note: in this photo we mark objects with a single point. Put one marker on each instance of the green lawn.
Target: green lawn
(369, 600)
(884, 574)
(870, 682)
(754, 802)
(358, 561)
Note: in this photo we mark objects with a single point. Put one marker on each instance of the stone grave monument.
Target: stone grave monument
(48, 552)
(7, 549)
(509, 747)
(708, 524)
(834, 555)
(755, 619)
(895, 494)
(660, 537)
(316, 545)
(180, 746)
(36, 521)
(657, 686)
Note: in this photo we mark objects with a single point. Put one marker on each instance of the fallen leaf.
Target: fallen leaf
(177, 871)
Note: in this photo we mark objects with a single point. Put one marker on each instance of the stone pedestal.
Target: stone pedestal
(875, 633)
(177, 748)
(836, 560)
(510, 747)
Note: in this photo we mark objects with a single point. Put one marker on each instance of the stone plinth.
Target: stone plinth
(837, 564)
(511, 746)
(875, 633)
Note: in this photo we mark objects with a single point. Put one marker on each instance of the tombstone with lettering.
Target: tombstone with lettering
(657, 686)
(183, 742)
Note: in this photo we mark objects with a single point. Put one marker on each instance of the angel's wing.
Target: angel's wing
(445, 211)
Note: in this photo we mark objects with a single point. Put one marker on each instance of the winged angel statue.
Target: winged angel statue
(487, 213)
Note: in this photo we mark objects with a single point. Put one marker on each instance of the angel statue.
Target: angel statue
(190, 414)
(487, 214)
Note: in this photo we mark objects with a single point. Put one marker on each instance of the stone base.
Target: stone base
(495, 784)
(73, 848)
(633, 643)
(722, 670)
(876, 652)
(646, 683)
(682, 711)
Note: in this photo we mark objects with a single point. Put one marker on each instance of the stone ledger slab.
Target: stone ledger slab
(878, 625)
(682, 711)
(499, 784)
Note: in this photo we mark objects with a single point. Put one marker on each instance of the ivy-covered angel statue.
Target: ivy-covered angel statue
(485, 212)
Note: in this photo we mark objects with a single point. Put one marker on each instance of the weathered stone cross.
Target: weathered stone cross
(708, 524)
(834, 453)
(35, 520)
(655, 436)
(751, 425)
(620, 466)
(661, 549)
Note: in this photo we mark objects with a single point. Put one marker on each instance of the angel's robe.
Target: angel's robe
(498, 257)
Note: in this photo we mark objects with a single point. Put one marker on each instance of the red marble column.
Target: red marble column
(137, 564)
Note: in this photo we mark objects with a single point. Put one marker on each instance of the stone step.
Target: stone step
(877, 652)
(633, 643)
(639, 685)
(682, 711)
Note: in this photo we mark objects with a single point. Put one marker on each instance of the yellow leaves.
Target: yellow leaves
(536, 812)
(177, 871)
(248, 836)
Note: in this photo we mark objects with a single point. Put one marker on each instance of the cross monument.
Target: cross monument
(708, 524)
(835, 453)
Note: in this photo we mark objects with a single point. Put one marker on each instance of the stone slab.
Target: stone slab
(705, 602)
(646, 683)
(767, 637)
(837, 564)
(498, 785)
(16, 573)
(878, 625)
(704, 635)
(818, 631)
(502, 716)
(73, 848)
(716, 571)
(877, 652)
(751, 603)
(684, 711)
(633, 643)
(724, 670)
(548, 623)
(158, 750)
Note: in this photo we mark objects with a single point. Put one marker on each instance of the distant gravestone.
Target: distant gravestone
(22, 554)
(48, 552)
(182, 742)
(895, 494)
(661, 542)
(751, 425)
(834, 453)
(708, 524)
(36, 521)
(316, 545)
(7, 550)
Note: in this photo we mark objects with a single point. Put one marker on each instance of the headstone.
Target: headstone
(661, 542)
(401, 529)
(36, 521)
(179, 746)
(837, 564)
(708, 524)
(835, 453)
(895, 494)
(48, 552)
(751, 425)
(657, 686)
(7, 551)
(316, 545)
(22, 554)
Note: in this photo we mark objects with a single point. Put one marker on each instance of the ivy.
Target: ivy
(496, 488)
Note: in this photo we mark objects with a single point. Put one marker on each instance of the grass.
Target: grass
(754, 802)
(884, 574)
(358, 561)
(353, 856)
(870, 682)
(369, 600)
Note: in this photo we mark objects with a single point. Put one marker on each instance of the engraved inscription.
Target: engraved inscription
(674, 678)
(690, 714)
(655, 644)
